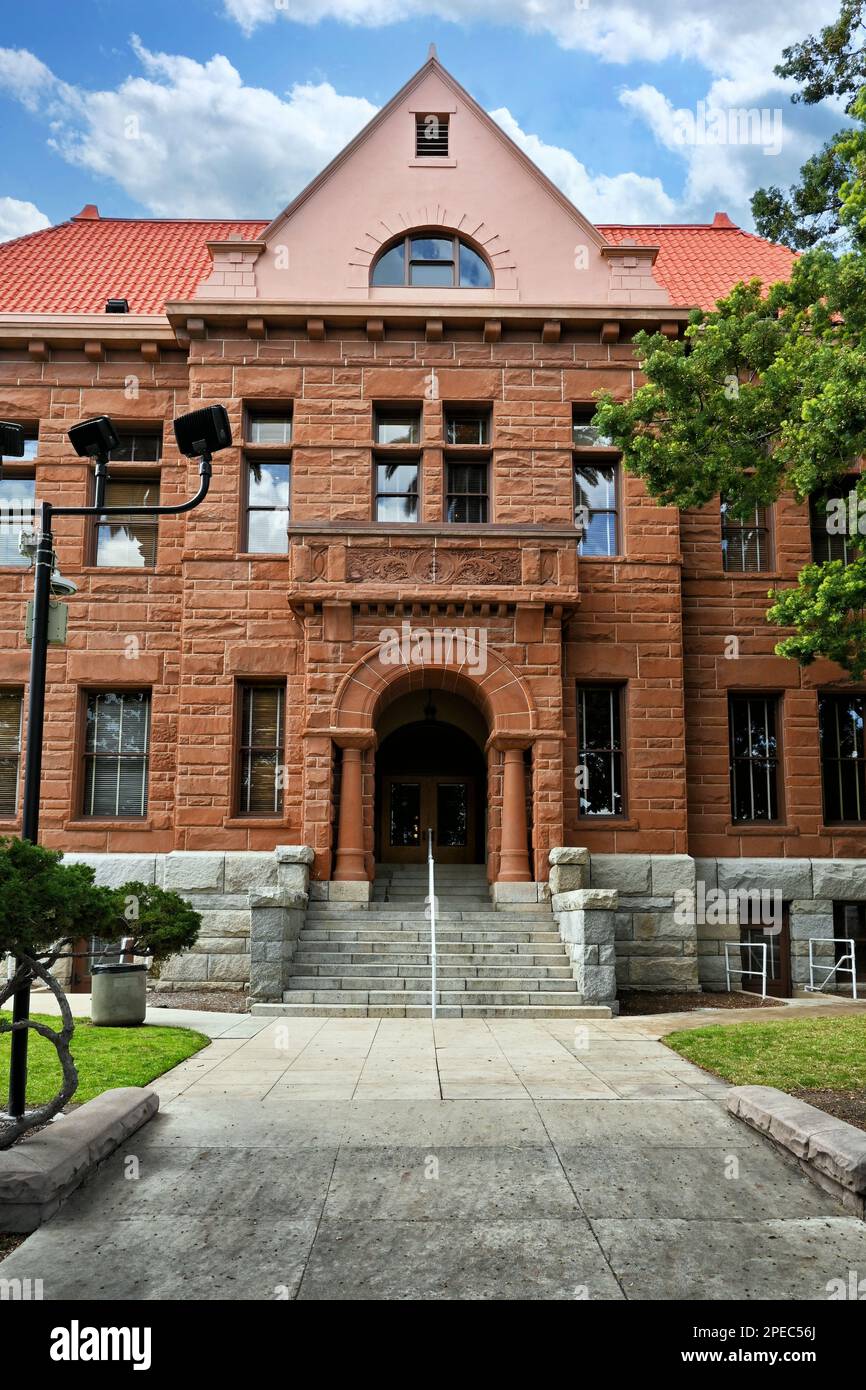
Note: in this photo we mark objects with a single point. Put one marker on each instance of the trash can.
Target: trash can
(119, 995)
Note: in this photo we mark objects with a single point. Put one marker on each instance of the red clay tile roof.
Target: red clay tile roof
(699, 264)
(75, 267)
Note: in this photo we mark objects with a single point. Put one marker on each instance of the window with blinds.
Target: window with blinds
(116, 753)
(128, 541)
(260, 750)
(11, 702)
(745, 544)
(431, 136)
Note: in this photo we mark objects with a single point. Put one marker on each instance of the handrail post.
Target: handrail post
(431, 898)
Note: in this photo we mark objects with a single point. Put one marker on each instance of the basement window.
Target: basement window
(431, 136)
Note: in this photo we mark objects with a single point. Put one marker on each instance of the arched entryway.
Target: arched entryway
(431, 772)
(507, 728)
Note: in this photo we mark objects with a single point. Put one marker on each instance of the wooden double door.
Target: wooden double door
(412, 804)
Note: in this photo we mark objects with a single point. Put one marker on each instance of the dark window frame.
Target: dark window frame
(836, 762)
(736, 530)
(580, 462)
(143, 476)
(247, 750)
(619, 783)
(91, 758)
(411, 414)
(252, 460)
(820, 537)
(400, 458)
(14, 758)
(455, 495)
(756, 763)
(134, 437)
(455, 414)
(438, 234)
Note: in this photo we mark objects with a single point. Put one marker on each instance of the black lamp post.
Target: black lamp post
(199, 434)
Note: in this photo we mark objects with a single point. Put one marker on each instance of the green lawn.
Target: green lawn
(105, 1057)
(814, 1053)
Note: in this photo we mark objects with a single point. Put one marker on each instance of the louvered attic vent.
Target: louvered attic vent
(431, 136)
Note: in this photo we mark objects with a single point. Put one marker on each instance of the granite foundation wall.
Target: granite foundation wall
(252, 906)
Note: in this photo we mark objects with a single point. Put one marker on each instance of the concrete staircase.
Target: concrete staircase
(373, 960)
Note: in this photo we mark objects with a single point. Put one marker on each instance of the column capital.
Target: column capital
(505, 740)
(354, 738)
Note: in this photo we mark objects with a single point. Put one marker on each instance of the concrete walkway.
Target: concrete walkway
(380, 1158)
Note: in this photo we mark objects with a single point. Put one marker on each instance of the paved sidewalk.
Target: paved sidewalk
(376, 1158)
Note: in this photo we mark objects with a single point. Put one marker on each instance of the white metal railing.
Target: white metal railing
(430, 911)
(847, 962)
(730, 970)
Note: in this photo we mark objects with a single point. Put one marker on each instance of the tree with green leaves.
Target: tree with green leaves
(833, 64)
(45, 908)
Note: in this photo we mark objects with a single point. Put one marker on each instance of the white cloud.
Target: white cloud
(737, 44)
(17, 218)
(602, 197)
(189, 138)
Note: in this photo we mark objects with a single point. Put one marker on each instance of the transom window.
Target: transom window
(432, 259)
(843, 756)
(266, 428)
(464, 426)
(584, 434)
(116, 753)
(745, 543)
(754, 758)
(400, 425)
(138, 446)
(600, 750)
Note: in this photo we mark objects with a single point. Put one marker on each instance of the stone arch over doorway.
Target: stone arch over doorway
(509, 716)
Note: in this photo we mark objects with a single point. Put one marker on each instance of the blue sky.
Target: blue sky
(227, 107)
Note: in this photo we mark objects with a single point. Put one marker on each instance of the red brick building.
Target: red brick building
(422, 591)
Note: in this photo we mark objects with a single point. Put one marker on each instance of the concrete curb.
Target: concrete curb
(830, 1151)
(38, 1174)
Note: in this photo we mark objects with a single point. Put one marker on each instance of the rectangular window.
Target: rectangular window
(268, 507)
(831, 515)
(467, 427)
(600, 750)
(431, 136)
(843, 757)
(11, 702)
(129, 541)
(397, 426)
(595, 508)
(745, 544)
(138, 446)
(17, 502)
(261, 746)
(584, 434)
(754, 757)
(397, 490)
(116, 753)
(265, 428)
(467, 492)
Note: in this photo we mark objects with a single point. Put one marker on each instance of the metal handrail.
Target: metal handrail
(846, 962)
(431, 912)
(730, 970)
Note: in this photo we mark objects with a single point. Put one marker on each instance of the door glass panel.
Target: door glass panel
(751, 939)
(405, 813)
(452, 817)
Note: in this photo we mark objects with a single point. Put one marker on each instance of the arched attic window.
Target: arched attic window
(433, 259)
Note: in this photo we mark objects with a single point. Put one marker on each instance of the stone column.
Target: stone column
(514, 855)
(350, 863)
